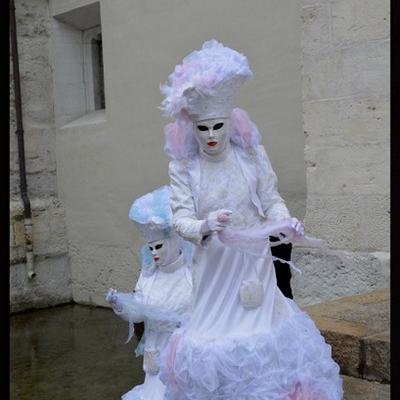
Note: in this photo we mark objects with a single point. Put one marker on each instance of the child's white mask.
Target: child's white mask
(212, 135)
(164, 251)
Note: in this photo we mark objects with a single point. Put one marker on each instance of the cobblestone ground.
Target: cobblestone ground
(71, 353)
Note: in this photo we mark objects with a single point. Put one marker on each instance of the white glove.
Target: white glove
(216, 221)
(112, 299)
(298, 226)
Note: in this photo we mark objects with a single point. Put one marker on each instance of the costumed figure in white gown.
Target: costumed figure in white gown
(244, 339)
(162, 297)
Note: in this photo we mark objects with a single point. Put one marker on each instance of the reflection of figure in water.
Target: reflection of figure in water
(163, 293)
(245, 339)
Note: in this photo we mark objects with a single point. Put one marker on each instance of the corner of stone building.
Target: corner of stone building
(52, 283)
(345, 84)
(97, 268)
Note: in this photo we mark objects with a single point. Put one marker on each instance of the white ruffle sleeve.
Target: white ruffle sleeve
(126, 309)
(182, 204)
(273, 205)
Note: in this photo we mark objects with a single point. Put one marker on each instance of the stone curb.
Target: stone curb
(360, 347)
(360, 389)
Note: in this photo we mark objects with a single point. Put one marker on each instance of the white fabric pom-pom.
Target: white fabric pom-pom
(251, 294)
(150, 362)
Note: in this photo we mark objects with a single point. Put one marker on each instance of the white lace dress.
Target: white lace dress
(168, 288)
(231, 349)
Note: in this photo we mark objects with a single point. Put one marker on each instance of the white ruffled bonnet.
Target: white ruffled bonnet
(152, 214)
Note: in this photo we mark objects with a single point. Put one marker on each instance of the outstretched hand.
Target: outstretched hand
(218, 220)
(112, 299)
(298, 226)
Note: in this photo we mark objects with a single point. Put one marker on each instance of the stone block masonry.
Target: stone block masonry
(343, 273)
(345, 72)
(48, 229)
(51, 285)
(358, 329)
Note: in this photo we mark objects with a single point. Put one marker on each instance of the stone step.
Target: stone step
(357, 328)
(361, 389)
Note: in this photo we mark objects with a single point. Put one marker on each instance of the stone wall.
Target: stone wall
(96, 165)
(52, 282)
(345, 71)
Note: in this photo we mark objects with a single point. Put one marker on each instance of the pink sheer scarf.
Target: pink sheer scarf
(254, 240)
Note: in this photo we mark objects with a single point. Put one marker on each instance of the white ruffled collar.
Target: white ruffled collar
(178, 263)
(218, 157)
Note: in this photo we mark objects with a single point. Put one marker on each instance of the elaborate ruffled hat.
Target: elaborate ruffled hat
(152, 214)
(205, 84)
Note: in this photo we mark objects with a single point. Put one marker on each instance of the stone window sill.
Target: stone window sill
(95, 117)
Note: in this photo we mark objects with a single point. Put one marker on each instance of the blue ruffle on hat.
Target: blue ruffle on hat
(152, 214)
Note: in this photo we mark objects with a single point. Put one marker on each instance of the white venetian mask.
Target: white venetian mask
(212, 134)
(164, 251)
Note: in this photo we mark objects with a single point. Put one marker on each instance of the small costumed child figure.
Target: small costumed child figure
(162, 297)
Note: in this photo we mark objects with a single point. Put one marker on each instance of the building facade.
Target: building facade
(90, 88)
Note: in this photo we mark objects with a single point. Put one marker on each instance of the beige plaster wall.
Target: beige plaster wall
(108, 159)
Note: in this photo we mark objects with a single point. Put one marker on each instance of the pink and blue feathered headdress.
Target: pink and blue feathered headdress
(152, 215)
(212, 74)
(204, 86)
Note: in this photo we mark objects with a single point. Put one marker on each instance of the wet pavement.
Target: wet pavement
(71, 353)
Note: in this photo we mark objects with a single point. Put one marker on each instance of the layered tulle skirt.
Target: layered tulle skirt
(292, 361)
(151, 389)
